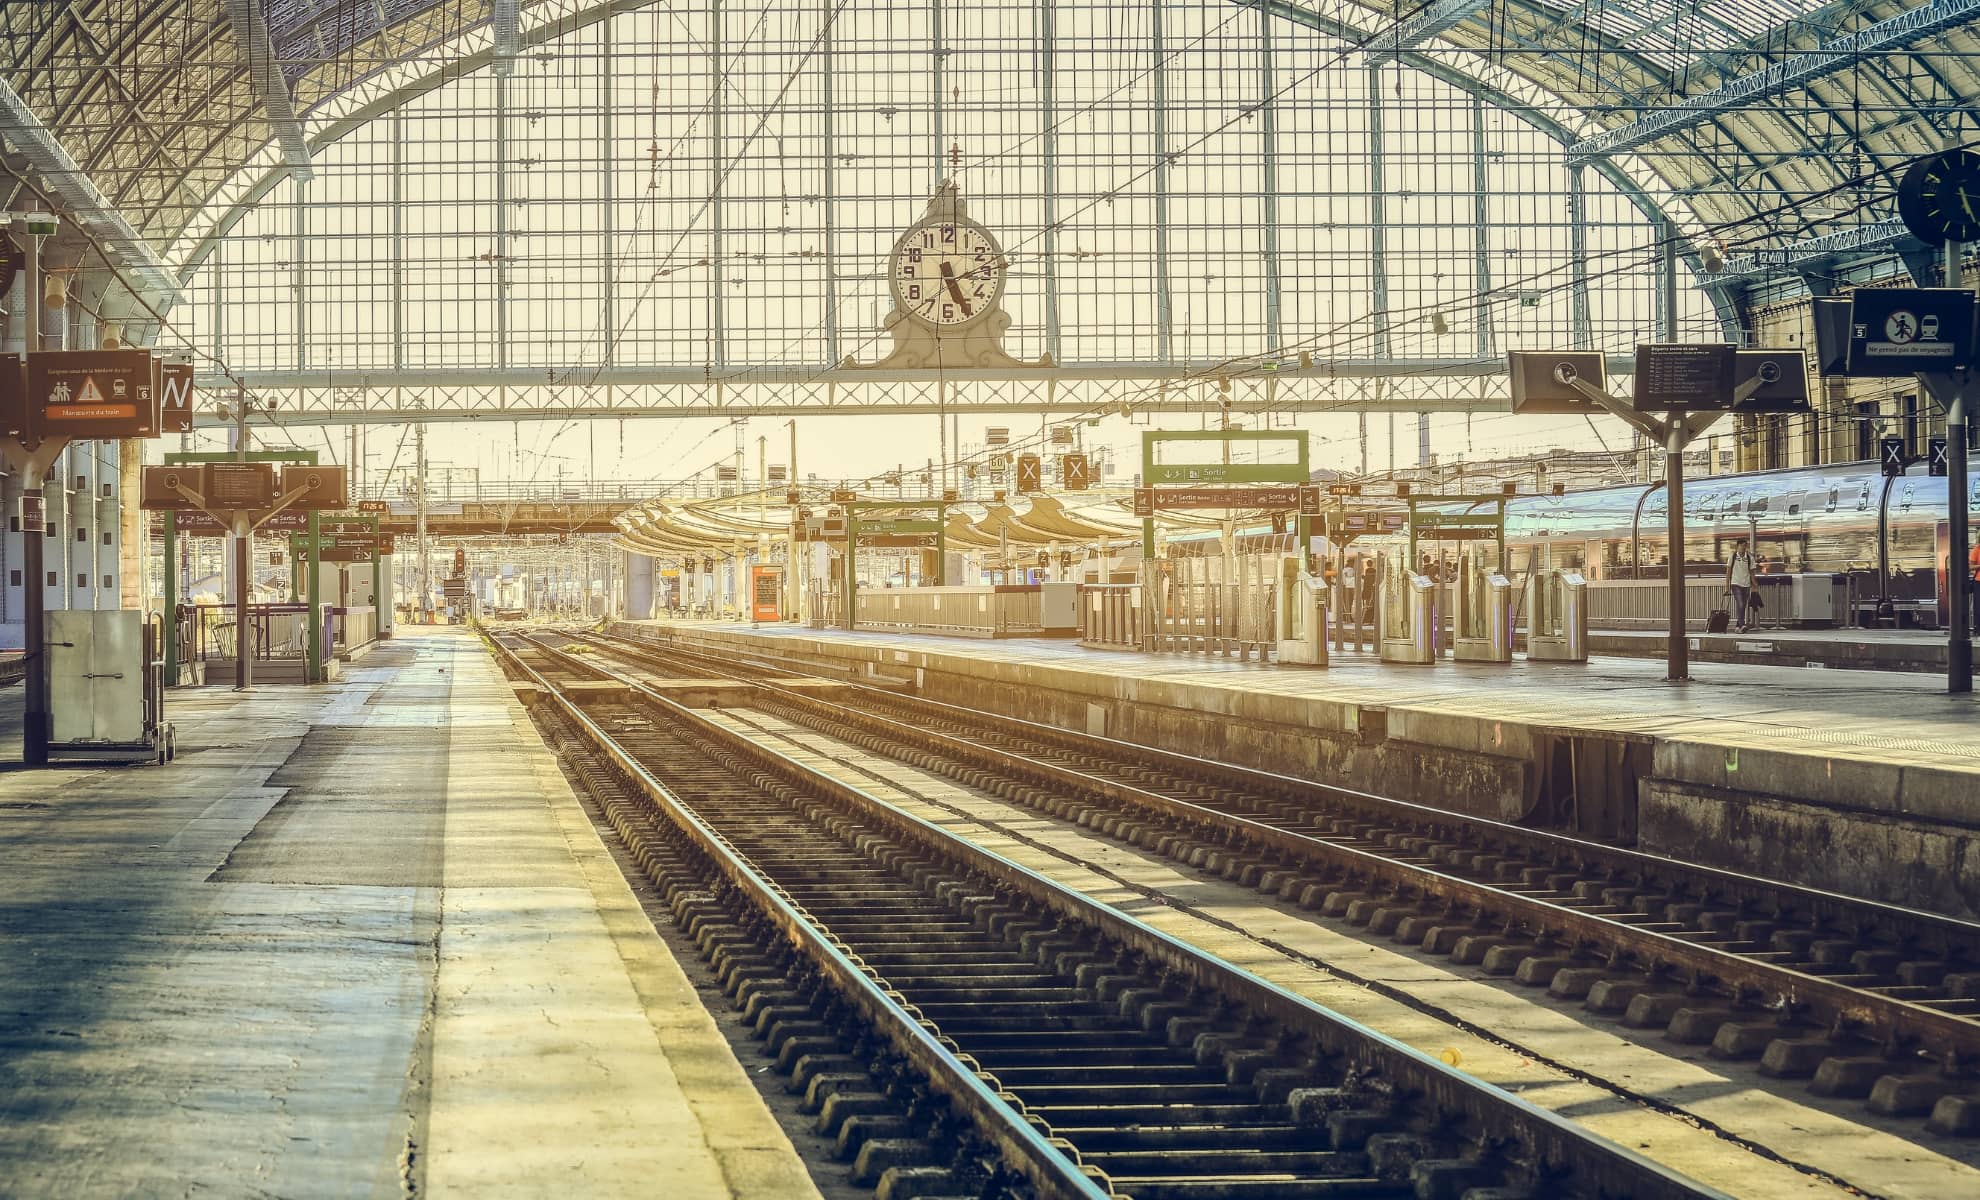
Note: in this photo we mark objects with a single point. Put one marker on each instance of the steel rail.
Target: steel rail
(1553, 1142)
(1846, 913)
(1025, 1148)
(1887, 1019)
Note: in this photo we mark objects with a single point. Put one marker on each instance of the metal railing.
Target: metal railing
(1012, 610)
(1110, 616)
(209, 631)
(1211, 606)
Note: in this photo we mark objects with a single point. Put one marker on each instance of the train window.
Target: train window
(1757, 505)
(1835, 497)
(1863, 499)
(1794, 510)
(1904, 502)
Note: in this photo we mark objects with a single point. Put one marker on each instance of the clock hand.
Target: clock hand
(955, 289)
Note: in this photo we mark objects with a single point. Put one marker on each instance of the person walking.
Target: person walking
(1739, 581)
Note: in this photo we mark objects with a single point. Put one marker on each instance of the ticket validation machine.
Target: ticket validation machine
(1407, 618)
(1302, 615)
(1483, 629)
(1557, 616)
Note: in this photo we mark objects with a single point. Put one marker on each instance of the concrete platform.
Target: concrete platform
(359, 940)
(1859, 782)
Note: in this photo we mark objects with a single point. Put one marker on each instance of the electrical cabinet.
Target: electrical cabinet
(96, 679)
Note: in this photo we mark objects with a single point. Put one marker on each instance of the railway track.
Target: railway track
(1852, 999)
(967, 1027)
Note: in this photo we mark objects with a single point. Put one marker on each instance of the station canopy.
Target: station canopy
(463, 209)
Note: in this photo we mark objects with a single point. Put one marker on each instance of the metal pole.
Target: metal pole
(419, 520)
(313, 595)
(1959, 573)
(793, 582)
(171, 629)
(243, 634)
(35, 729)
(1677, 653)
(1677, 648)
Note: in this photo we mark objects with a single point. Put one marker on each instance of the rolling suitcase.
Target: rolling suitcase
(1721, 619)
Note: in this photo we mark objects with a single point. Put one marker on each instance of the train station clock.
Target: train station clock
(947, 277)
(1939, 198)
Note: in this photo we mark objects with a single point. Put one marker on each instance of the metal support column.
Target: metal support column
(1165, 316)
(35, 717)
(1480, 227)
(1046, 66)
(1583, 328)
(1378, 224)
(313, 659)
(717, 243)
(501, 249)
(937, 79)
(302, 290)
(170, 649)
(1268, 161)
(827, 200)
(1677, 648)
(608, 305)
(398, 217)
(1959, 573)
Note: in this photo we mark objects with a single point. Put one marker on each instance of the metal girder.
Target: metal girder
(77, 193)
(1174, 374)
(1794, 70)
(1878, 236)
(259, 54)
(1435, 18)
(505, 18)
(1473, 386)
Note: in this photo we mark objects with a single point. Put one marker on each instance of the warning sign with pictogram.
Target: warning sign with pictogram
(93, 394)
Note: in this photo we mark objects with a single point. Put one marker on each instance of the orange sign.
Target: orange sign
(766, 593)
(93, 393)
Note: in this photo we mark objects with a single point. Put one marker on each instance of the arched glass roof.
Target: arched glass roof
(364, 194)
(161, 100)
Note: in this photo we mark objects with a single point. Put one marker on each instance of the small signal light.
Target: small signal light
(1509, 489)
(1560, 489)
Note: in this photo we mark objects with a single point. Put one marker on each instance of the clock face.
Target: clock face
(1939, 197)
(946, 273)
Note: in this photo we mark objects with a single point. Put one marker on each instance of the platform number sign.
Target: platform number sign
(1935, 457)
(1891, 455)
(1073, 472)
(1030, 474)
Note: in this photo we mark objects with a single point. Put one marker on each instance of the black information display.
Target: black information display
(1677, 378)
(1935, 457)
(1543, 381)
(1894, 332)
(231, 486)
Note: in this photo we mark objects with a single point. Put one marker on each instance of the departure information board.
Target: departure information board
(1676, 377)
